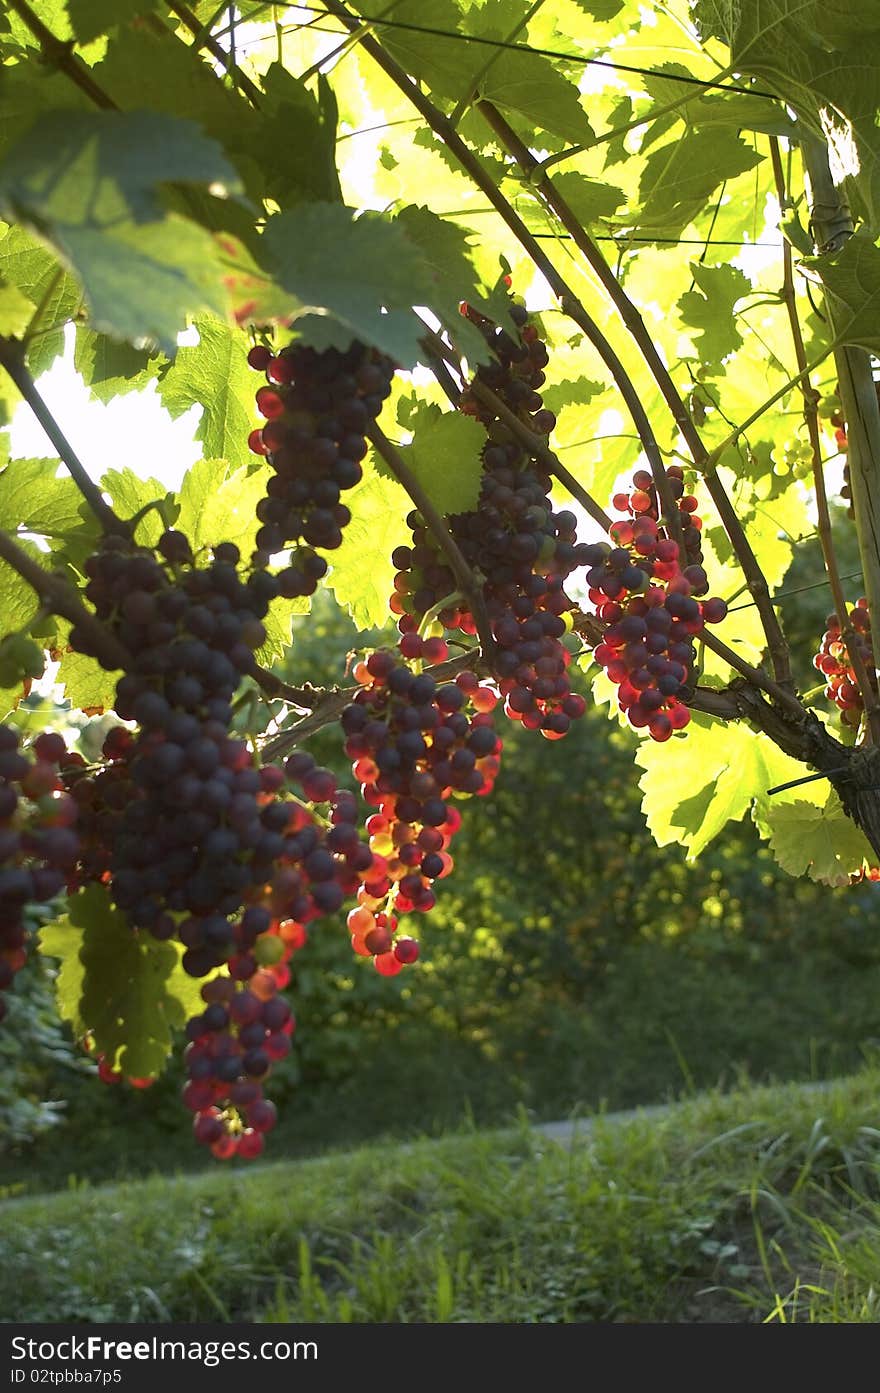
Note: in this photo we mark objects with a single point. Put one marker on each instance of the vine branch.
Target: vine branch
(59, 54)
(205, 40)
(12, 359)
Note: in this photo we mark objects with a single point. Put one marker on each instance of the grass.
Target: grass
(762, 1204)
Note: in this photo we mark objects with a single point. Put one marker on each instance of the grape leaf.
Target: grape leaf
(279, 624)
(361, 572)
(142, 280)
(573, 392)
(93, 17)
(679, 179)
(39, 500)
(129, 494)
(819, 841)
(528, 89)
(822, 59)
(110, 367)
(445, 248)
(709, 309)
(853, 279)
(589, 199)
(435, 60)
(85, 169)
(445, 457)
(16, 310)
(215, 375)
(716, 781)
(126, 988)
(53, 293)
(351, 270)
(89, 182)
(218, 504)
(600, 9)
(300, 130)
(87, 685)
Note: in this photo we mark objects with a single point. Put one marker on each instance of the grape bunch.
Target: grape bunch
(318, 407)
(832, 660)
(415, 745)
(650, 604)
(185, 830)
(514, 540)
(231, 1046)
(246, 1025)
(38, 840)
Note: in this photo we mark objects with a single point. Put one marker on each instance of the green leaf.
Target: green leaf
(90, 182)
(87, 685)
(600, 9)
(110, 367)
(528, 89)
(709, 309)
(361, 572)
(445, 457)
(822, 58)
(350, 269)
(89, 169)
(39, 500)
(678, 180)
(215, 375)
(93, 17)
(279, 625)
(126, 988)
(53, 293)
(155, 71)
(445, 247)
(218, 504)
(574, 392)
(300, 130)
(852, 277)
(18, 602)
(129, 495)
(16, 310)
(589, 199)
(143, 280)
(821, 842)
(716, 781)
(437, 61)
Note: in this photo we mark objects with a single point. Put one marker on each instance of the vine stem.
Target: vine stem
(303, 698)
(811, 416)
(633, 322)
(60, 598)
(467, 582)
(60, 55)
(781, 695)
(569, 302)
(832, 225)
(205, 40)
(540, 450)
(12, 359)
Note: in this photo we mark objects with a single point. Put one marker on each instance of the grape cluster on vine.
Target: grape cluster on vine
(650, 603)
(833, 661)
(38, 839)
(521, 549)
(318, 407)
(415, 745)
